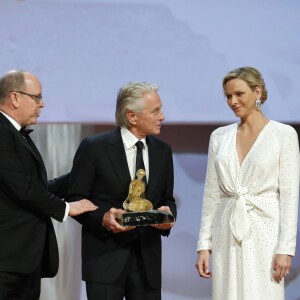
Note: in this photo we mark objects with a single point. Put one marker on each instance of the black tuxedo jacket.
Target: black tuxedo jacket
(100, 172)
(27, 237)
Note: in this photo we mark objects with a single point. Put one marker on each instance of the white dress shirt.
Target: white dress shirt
(129, 141)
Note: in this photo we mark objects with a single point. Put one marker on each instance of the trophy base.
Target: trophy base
(145, 218)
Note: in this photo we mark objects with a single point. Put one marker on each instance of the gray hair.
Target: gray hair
(130, 99)
(251, 76)
(10, 82)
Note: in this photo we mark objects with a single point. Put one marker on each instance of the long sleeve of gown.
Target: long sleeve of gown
(288, 191)
(211, 197)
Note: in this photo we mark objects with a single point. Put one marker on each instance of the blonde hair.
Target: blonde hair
(251, 76)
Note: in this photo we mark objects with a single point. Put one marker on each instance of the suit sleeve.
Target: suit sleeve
(21, 181)
(59, 186)
(82, 179)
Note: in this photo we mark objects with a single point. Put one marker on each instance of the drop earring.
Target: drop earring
(258, 104)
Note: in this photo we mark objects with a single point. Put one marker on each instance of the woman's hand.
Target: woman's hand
(202, 264)
(282, 264)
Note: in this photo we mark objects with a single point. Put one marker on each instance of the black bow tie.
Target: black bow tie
(25, 131)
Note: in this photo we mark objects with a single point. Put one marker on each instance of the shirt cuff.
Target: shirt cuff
(66, 211)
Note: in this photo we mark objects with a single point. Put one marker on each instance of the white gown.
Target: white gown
(249, 212)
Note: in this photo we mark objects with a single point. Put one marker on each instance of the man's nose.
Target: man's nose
(42, 103)
(162, 116)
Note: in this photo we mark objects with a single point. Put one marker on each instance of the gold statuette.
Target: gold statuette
(139, 211)
(135, 200)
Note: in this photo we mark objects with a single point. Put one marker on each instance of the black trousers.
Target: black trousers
(19, 286)
(131, 285)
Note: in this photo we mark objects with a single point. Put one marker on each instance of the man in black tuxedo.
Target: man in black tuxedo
(119, 261)
(28, 247)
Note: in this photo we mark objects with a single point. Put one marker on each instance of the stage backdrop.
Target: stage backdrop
(85, 50)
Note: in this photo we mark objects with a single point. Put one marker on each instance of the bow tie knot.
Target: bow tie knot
(25, 131)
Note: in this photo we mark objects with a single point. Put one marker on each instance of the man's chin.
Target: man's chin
(32, 122)
(155, 132)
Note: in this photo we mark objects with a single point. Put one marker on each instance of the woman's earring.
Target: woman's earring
(258, 104)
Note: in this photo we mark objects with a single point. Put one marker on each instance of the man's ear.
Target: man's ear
(13, 98)
(132, 117)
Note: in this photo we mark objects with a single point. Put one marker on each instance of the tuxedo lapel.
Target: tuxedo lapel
(34, 150)
(117, 157)
(27, 143)
(154, 154)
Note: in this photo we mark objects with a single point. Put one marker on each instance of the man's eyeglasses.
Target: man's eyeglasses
(36, 98)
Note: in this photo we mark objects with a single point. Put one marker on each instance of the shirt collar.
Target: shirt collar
(130, 139)
(12, 121)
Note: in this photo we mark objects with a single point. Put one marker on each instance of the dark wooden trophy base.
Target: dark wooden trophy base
(145, 218)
